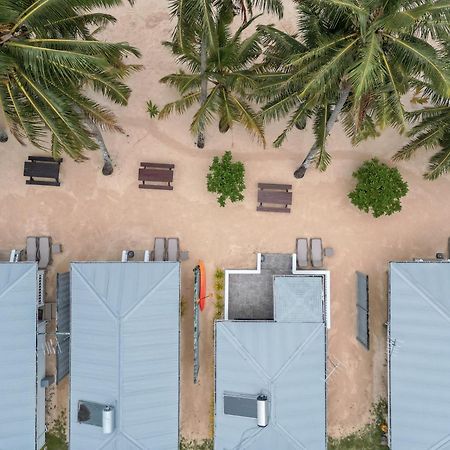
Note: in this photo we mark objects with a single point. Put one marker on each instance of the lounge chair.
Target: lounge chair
(159, 249)
(44, 252)
(173, 249)
(316, 253)
(39, 249)
(32, 248)
(302, 253)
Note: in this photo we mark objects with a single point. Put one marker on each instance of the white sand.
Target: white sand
(95, 217)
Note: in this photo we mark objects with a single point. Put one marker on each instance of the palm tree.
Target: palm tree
(432, 132)
(195, 27)
(49, 60)
(354, 59)
(229, 73)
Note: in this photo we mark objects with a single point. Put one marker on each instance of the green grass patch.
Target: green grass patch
(206, 444)
(55, 438)
(369, 437)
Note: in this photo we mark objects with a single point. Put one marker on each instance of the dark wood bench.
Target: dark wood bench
(274, 194)
(42, 167)
(152, 173)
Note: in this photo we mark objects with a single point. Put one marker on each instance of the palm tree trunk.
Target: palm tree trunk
(3, 134)
(203, 87)
(310, 157)
(97, 135)
(107, 161)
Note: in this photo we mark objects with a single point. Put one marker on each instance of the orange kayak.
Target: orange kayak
(202, 296)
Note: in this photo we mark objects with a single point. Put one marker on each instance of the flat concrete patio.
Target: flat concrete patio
(250, 296)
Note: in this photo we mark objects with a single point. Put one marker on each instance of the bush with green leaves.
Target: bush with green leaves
(379, 188)
(226, 178)
(152, 109)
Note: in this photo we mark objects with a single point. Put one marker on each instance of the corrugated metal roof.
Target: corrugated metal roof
(285, 361)
(18, 356)
(40, 390)
(419, 355)
(125, 352)
(298, 298)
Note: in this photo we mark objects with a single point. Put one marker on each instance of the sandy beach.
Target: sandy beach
(95, 217)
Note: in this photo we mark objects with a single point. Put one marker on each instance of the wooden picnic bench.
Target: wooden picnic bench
(274, 194)
(42, 167)
(152, 173)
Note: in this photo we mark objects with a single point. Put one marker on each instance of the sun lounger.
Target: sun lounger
(302, 253)
(159, 249)
(316, 253)
(44, 252)
(173, 249)
(32, 248)
(39, 249)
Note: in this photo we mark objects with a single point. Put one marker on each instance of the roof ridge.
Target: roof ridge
(16, 281)
(94, 291)
(299, 350)
(147, 294)
(244, 352)
(425, 295)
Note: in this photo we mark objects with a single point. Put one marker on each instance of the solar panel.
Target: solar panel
(362, 309)
(62, 324)
(240, 405)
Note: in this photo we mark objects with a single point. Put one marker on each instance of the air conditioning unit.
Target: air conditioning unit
(40, 289)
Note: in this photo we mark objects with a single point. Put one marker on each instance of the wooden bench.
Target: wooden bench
(42, 167)
(151, 173)
(274, 194)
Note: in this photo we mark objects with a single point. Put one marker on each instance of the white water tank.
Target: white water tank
(261, 410)
(108, 420)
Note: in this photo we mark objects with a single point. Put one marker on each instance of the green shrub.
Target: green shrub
(55, 438)
(226, 178)
(379, 188)
(370, 437)
(152, 109)
(206, 444)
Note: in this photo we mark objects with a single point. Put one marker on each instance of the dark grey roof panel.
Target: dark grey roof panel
(362, 309)
(62, 325)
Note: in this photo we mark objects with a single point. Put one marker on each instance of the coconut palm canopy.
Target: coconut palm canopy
(353, 57)
(431, 130)
(230, 72)
(49, 61)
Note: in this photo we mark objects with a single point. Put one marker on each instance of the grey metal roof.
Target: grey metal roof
(419, 355)
(18, 356)
(125, 353)
(285, 361)
(298, 298)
